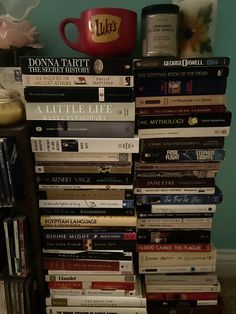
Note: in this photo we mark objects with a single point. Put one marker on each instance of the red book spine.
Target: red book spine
(156, 296)
(69, 264)
(113, 285)
(173, 247)
(64, 285)
(181, 109)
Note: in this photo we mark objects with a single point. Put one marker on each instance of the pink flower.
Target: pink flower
(17, 34)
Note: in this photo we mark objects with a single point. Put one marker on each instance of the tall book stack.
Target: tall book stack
(82, 115)
(182, 121)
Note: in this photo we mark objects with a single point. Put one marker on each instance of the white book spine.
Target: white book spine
(88, 279)
(182, 288)
(5, 224)
(98, 301)
(193, 190)
(175, 223)
(86, 187)
(183, 132)
(163, 259)
(198, 208)
(85, 145)
(94, 292)
(78, 111)
(176, 269)
(94, 310)
(81, 203)
(77, 80)
(92, 273)
(17, 247)
(82, 157)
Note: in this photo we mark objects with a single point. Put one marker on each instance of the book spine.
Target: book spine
(180, 109)
(78, 111)
(8, 249)
(177, 269)
(23, 248)
(172, 296)
(89, 292)
(86, 186)
(86, 279)
(91, 285)
(175, 190)
(198, 120)
(77, 234)
(82, 265)
(120, 129)
(167, 155)
(76, 66)
(180, 100)
(183, 62)
(73, 179)
(162, 199)
(83, 204)
(173, 209)
(151, 173)
(79, 94)
(163, 259)
(180, 73)
(95, 310)
(87, 80)
(88, 211)
(70, 157)
(192, 223)
(109, 168)
(184, 87)
(102, 301)
(148, 182)
(8, 198)
(181, 132)
(185, 303)
(128, 246)
(174, 247)
(84, 145)
(88, 195)
(177, 166)
(17, 258)
(87, 221)
(174, 236)
(182, 143)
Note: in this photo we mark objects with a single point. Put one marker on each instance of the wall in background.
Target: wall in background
(47, 17)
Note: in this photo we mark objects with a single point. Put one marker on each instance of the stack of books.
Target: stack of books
(182, 121)
(82, 112)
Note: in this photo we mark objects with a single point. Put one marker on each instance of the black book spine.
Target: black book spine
(89, 211)
(183, 155)
(182, 143)
(76, 66)
(181, 87)
(155, 236)
(184, 121)
(91, 255)
(177, 62)
(163, 199)
(87, 94)
(82, 129)
(174, 182)
(180, 73)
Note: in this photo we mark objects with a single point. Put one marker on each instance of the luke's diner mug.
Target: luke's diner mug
(103, 32)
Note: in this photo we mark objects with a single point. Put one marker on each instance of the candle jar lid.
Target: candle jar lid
(160, 8)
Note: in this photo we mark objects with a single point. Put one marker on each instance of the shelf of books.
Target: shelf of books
(126, 157)
(19, 276)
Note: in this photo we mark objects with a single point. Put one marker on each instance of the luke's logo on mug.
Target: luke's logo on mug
(103, 32)
(104, 28)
